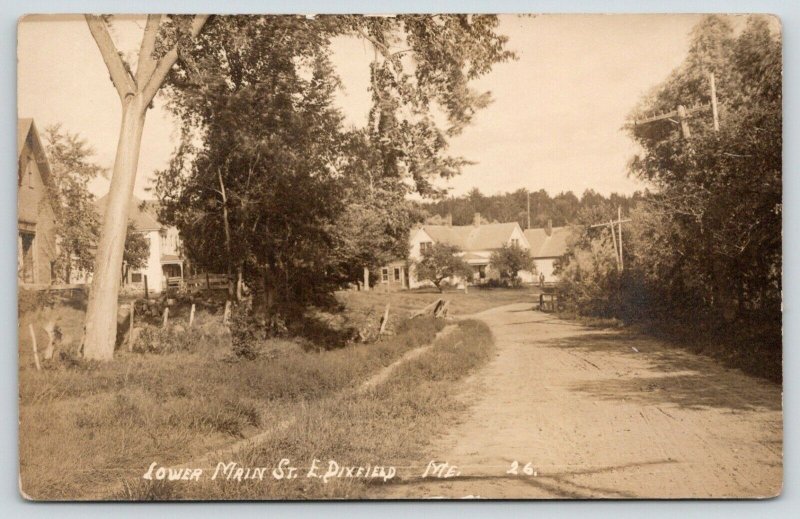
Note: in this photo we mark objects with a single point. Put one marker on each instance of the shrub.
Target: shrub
(509, 260)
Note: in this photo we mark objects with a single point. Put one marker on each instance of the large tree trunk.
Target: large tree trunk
(135, 93)
(233, 286)
(269, 293)
(101, 314)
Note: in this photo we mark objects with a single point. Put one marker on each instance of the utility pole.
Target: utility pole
(682, 119)
(529, 208)
(617, 242)
(621, 257)
(614, 239)
(681, 113)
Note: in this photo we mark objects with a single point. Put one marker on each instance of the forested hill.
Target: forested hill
(563, 208)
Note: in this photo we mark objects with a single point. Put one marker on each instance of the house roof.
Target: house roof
(472, 237)
(23, 127)
(26, 128)
(544, 246)
(142, 214)
(28, 133)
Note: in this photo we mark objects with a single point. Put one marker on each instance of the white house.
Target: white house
(165, 261)
(547, 245)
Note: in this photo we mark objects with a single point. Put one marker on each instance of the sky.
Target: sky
(554, 124)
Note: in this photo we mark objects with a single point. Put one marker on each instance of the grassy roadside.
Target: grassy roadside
(85, 425)
(388, 425)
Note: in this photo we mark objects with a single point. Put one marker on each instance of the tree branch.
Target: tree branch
(168, 60)
(147, 62)
(120, 76)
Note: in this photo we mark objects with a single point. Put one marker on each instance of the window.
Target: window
(424, 246)
(515, 242)
(26, 272)
(136, 277)
(397, 273)
(385, 274)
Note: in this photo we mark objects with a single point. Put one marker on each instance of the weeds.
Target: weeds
(172, 398)
(390, 425)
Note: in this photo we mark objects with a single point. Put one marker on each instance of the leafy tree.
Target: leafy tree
(703, 248)
(718, 203)
(373, 227)
(137, 250)
(509, 260)
(590, 279)
(77, 224)
(272, 174)
(259, 192)
(441, 261)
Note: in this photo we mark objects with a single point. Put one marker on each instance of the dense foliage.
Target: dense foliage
(269, 183)
(704, 248)
(137, 251)
(509, 260)
(77, 224)
(78, 221)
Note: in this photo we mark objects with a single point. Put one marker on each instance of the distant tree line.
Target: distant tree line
(561, 209)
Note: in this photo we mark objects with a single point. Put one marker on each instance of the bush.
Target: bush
(153, 339)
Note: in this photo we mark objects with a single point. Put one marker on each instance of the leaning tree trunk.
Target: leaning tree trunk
(136, 91)
(101, 314)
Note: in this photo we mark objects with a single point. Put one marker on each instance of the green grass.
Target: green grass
(85, 425)
(389, 425)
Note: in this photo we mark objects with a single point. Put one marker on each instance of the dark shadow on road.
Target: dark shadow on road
(670, 376)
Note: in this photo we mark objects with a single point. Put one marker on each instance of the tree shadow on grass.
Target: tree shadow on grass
(666, 375)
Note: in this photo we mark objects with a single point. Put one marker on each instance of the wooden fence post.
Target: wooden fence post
(146, 291)
(130, 328)
(166, 316)
(191, 316)
(35, 351)
(226, 316)
(49, 328)
(384, 320)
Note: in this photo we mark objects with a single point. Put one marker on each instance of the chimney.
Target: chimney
(476, 220)
(549, 229)
(448, 220)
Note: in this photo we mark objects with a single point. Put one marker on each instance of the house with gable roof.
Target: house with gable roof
(547, 245)
(37, 242)
(477, 242)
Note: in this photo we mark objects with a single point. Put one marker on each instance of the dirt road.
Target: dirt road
(603, 414)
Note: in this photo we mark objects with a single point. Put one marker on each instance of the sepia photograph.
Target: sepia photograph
(399, 257)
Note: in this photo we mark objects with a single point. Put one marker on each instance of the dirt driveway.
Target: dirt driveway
(603, 414)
